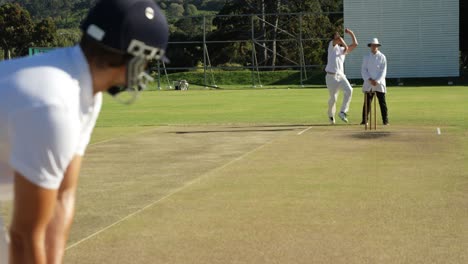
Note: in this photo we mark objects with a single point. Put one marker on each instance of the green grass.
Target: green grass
(443, 106)
(223, 176)
(229, 180)
(420, 106)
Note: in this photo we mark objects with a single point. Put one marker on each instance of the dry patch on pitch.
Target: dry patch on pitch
(241, 195)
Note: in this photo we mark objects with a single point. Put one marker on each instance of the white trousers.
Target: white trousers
(334, 83)
(4, 243)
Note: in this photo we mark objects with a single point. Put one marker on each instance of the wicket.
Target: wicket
(370, 121)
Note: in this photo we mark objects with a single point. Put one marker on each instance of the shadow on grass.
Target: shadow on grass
(254, 128)
(233, 131)
(371, 134)
(285, 125)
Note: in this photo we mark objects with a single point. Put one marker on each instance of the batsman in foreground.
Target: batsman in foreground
(48, 109)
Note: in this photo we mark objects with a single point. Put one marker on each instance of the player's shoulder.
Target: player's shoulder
(54, 69)
(42, 81)
(40, 73)
(48, 75)
(37, 68)
(381, 56)
(47, 82)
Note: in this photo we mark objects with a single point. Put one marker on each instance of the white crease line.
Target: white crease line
(124, 136)
(303, 131)
(168, 195)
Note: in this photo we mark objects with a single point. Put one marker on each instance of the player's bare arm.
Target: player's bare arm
(61, 222)
(354, 43)
(33, 208)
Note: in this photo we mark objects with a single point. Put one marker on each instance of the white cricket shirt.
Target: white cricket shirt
(336, 58)
(374, 66)
(47, 114)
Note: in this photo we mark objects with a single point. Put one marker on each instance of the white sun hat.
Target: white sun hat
(374, 41)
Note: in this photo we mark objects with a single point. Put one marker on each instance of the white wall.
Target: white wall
(420, 38)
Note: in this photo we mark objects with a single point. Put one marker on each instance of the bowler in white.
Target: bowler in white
(336, 78)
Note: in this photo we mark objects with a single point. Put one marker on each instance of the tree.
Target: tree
(233, 28)
(44, 34)
(175, 10)
(191, 10)
(67, 37)
(18, 32)
(212, 5)
(335, 8)
(66, 13)
(16, 28)
(277, 34)
(190, 26)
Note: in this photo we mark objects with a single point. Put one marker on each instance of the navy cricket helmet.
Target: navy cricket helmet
(134, 27)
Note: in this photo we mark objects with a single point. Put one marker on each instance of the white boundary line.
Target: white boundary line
(303, 131)
(169, 195)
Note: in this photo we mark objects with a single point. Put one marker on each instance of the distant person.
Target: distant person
(335, 78)
(374, 71)
(49, 104)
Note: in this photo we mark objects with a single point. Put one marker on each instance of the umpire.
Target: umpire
(374, 71)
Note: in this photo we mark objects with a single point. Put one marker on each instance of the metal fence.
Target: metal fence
(256, 43)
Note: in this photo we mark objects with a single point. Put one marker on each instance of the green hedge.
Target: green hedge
(244, 77)
(316, 78)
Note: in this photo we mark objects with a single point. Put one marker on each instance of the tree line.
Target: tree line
(55, 23)
(281, 33)
(52, 23)
(38, 23)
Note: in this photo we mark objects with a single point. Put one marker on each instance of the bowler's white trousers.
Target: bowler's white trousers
(3, 243)
(334, 83)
